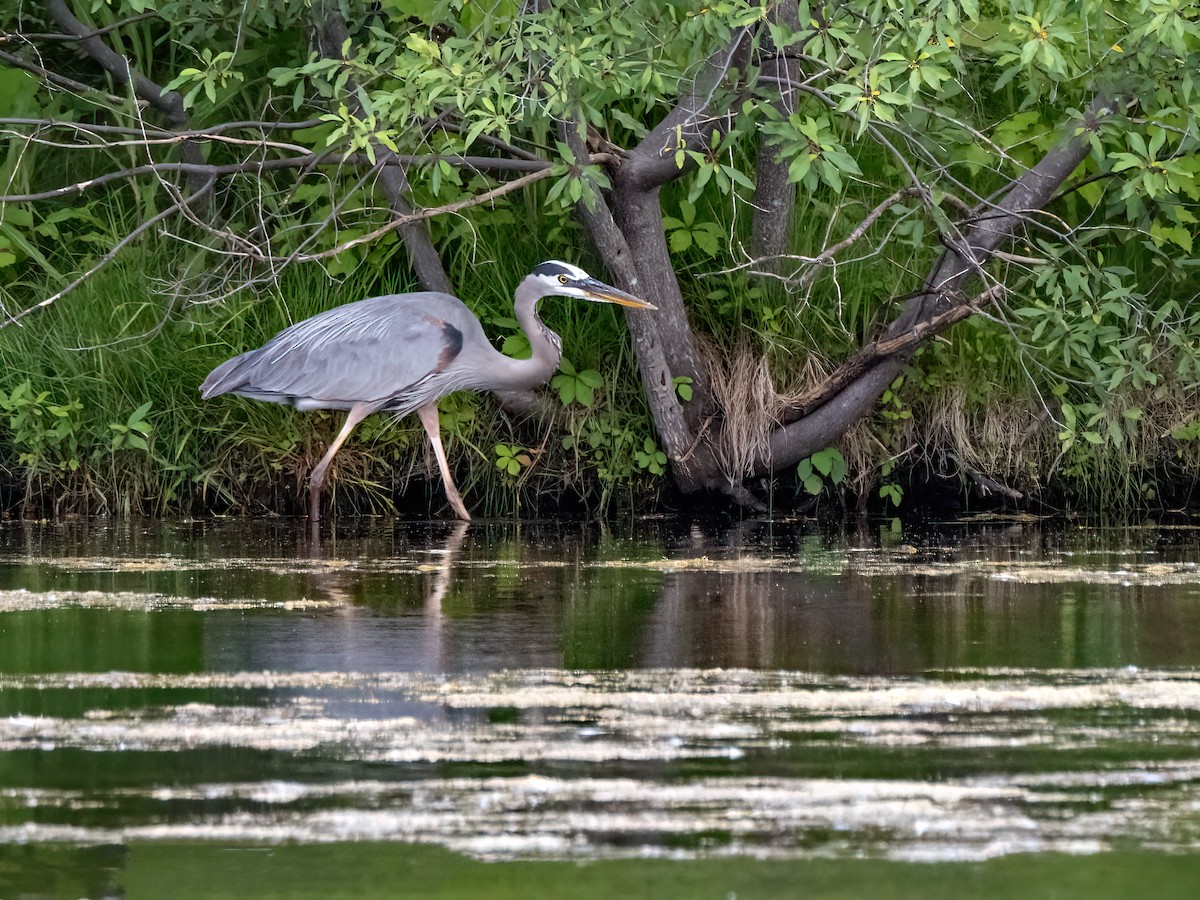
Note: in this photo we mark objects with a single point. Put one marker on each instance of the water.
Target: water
(713, 710)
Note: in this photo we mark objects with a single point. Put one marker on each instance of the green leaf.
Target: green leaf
(822, 461)
(680, 241)
(706, 242)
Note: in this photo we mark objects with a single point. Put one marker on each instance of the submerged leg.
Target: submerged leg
(357, 413)
(429, 418)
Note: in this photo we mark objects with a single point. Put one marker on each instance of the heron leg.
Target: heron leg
(356, 414)
(429, 418)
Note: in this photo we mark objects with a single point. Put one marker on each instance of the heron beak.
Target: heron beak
(606, 293)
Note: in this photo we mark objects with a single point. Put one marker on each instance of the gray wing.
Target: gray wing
(392, 351)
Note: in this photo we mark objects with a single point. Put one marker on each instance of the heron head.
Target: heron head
(557, 278)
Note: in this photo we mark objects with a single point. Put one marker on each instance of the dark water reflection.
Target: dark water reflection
(432, 598)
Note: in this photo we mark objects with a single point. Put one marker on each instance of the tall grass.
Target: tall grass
(114, 345)
(973, 403)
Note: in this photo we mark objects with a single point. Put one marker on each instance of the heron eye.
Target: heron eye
(562, 279)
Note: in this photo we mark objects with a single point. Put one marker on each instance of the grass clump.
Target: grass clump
(100, 412)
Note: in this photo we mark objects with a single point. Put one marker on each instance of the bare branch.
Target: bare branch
(414, 217)
(486, 139)
(827, 255)
(211, 172)
(194, 197)
(119, 69)
(257, 167)
(56, 80)
(96, 32)
(117, 66)
(645, 332)
(399, 221)
(870, 354)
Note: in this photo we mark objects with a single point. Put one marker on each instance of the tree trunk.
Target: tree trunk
(774, 195)
(675, 435)
(632, 241)
(638, 214)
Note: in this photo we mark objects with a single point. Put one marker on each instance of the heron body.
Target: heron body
(402, 353)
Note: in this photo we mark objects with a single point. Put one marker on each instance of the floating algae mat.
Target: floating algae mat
(759, 700)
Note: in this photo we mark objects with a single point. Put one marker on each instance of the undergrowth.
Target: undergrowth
(100, 411)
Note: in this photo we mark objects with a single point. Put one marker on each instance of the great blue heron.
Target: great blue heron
(400, 353)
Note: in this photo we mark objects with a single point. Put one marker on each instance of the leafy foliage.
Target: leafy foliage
(1099, 329)
(511, 459)
(825, 464)
(576, 387)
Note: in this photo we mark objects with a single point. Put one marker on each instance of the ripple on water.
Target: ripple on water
(637, 745)
(301, 740)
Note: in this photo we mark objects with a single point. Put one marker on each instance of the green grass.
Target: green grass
(975, 400)
(112, 345)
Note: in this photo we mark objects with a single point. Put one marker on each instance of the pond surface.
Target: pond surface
(708, 709)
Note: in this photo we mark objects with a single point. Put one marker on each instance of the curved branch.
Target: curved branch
(826, 256)
(807, 430)
(142, 130)
(691, 122)
(178, 206)
(117, 66)
(170, 103)
(210, 171)
(415, 217)
(56, 80)
(486, 139)
(257, 167)
(873, 353)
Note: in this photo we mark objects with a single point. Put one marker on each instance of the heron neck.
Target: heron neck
(546, 346)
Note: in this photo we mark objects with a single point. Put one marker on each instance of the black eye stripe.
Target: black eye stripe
(553, 268)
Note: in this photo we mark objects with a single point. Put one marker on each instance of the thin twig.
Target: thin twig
(153, 14)
(112, 254)
(400, 221)
(479, 163)
(60, 81)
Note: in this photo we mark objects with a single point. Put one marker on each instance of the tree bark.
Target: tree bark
(637, 212)
(630, 237)
(774, 195)
(675, 434)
